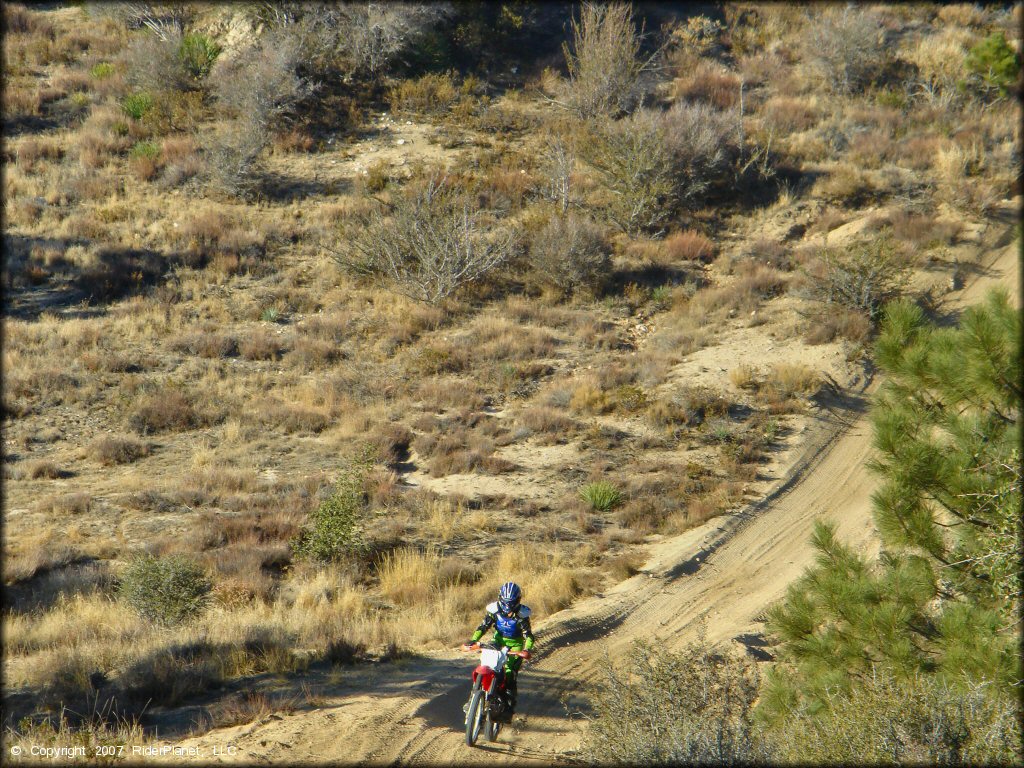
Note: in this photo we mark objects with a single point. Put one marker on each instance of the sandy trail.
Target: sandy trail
(720, 576)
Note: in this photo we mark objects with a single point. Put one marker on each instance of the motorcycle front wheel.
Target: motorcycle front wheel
(475, 716)
(492, 726)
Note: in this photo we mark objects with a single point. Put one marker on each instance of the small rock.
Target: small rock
(400, 142)
(408, 122)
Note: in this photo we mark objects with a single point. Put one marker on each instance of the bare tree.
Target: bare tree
(861, 276)
(359, 38)
(559, 163)
(604, 61)
(376, 33)
(845, 46)
(165, 20)
(569, 252)
(652, 161)
(259, 88)
(427, 244)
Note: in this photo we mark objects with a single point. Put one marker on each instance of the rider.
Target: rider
(511, 620)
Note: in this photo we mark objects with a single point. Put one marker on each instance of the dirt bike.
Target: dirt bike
(487, 704)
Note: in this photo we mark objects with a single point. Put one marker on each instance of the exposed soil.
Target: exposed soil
(717, 579)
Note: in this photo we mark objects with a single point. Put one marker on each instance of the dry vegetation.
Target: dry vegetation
(191, 356)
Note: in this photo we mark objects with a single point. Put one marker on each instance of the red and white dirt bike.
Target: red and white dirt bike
(487, 703)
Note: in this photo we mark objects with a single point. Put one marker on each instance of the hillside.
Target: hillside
(648, 316)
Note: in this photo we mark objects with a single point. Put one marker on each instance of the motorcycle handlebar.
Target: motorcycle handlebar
(524, 655)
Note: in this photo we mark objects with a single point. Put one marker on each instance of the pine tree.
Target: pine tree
(943, 598)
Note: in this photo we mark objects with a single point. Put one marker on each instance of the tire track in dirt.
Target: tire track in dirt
(716, 579)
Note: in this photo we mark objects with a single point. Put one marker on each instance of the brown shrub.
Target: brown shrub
(495, 338)
(760, 280)
(70, 81)
(144, 168)
(18, 20)
(205, 229)
(789, 114)
(465, 461)
(115, 449)
(546, 420)
(96, 142)
(295, 139)
(440, 393)
(923, 230)
(313, 354)
(642, 515)
(113, 272)
(177, 149)
(871, 149)
(211, 345)
(168, 410)
(789, 379)
(592, 399)
(570, 253)
(667, 414)
(292, 418)
(828, 221)
(744, 376)
(109, 362)
(846, 184)
(710, 84)
(846, 323)
(918, 152)
(21, 100)
(688, 245)
(64, 504)
(772, 253)
(431, 94)
(43, 469)
(392, 443)
(33, 149)
(261, 345)
(24, 212)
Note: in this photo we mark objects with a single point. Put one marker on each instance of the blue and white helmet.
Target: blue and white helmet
(508, 597)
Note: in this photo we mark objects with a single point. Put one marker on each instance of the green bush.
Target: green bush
(937, 610)
(917, 721)
(145, 149)
(569, 252)
(665, 708)
(994, 64)
(431, 94)
(197, 53)
(102, 71)
(601, 496)
(167, 590)
(861, 276)
(335, 529)
(136, 105)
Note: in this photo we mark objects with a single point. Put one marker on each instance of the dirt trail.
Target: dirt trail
(720, 577)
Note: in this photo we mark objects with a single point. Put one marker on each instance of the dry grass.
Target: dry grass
(257, 369)
(744, 376)
(688, 245)
(409, 577)
(789, 379)
(710, 84)
(844, 323)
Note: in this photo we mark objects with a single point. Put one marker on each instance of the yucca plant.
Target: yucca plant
(601, 496)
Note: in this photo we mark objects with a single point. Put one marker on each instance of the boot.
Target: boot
(510, 693)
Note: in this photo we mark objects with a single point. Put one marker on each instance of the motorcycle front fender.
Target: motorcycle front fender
(486, 677)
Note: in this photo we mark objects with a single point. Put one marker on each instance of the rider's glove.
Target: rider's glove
(525, 655)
